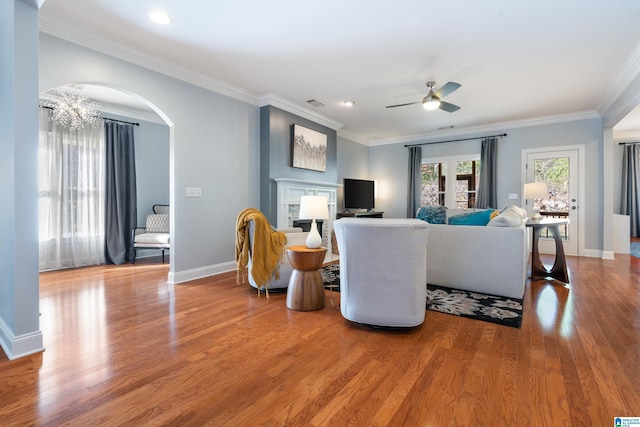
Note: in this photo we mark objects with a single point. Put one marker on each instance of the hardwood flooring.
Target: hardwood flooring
(123, 348)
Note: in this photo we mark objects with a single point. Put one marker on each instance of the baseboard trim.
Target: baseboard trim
(608, 255)
(592, 253)
(175, 278)
(19, 346)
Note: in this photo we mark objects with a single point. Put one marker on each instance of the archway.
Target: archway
(155, 175)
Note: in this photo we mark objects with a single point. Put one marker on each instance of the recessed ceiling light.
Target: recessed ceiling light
(349, 103)
(159, 17)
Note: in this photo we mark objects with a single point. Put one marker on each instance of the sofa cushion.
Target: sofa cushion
(152, 238)
(472, 218)
(433, 214)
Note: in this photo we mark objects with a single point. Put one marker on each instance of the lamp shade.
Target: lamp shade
(313, 207)
(535, 190)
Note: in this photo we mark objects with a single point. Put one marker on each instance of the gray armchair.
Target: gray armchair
(155, 234)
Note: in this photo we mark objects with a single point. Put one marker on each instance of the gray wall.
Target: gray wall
(275, 152)
(353, 162)
(19, 293)
(214, 146)
(389, 165)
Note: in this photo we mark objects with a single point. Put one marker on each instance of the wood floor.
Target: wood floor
(123, 348)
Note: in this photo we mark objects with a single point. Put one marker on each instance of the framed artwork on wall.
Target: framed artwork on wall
(308, 149)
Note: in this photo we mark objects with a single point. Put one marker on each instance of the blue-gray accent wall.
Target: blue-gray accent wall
(275, 155)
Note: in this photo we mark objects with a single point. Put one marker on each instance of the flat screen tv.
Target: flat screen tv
(359, 194)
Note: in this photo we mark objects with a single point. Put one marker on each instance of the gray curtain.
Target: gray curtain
(487, 187)
(120, 192)
(630, 186)
(414, 195)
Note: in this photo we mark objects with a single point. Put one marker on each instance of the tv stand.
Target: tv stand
(366, 214)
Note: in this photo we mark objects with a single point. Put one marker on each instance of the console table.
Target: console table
(559, 269)
(359, 215)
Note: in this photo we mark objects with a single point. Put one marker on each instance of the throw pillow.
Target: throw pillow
(508, 218)
(472, 218)
(433, 214)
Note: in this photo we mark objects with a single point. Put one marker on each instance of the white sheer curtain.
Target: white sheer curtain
(71, 185)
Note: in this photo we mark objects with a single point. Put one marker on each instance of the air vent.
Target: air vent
(315, 103)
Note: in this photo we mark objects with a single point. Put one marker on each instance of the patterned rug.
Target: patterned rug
(474, 305)
(635, 249)
(331, 276)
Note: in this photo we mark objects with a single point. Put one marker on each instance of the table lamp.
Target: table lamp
(535, 191)
(313, 207)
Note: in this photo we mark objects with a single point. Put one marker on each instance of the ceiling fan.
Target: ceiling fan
(433, 100)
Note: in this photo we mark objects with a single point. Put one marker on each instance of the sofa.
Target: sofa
(490, 259)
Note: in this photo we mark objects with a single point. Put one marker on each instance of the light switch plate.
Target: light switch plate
(513, 196)
(194, 192)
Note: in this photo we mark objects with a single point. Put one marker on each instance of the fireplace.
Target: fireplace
(288, 205)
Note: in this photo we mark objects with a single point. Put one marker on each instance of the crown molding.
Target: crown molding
(629, 71)
(494, 127)
(352, 136)
(35, 3)
(293, 108)
(141, 59)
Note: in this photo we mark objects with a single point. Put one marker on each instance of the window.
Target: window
(460, 193)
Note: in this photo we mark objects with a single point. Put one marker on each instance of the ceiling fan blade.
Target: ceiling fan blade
(402, 105)
(447, 89)
(446, 106)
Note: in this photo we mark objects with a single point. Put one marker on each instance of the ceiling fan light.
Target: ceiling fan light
(431, 104)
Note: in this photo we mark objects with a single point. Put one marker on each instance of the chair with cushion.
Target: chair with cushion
(259, 234)
(383, 270)
(155, 235)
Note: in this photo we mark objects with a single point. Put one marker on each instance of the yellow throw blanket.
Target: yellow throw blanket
(268, 248)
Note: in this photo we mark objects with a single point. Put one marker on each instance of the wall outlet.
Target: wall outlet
(513, 196)
(194, 192)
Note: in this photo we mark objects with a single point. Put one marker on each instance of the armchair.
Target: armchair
(257, 229)
(383, 270)
(155, 235)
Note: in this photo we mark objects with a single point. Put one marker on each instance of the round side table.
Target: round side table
(306, 291)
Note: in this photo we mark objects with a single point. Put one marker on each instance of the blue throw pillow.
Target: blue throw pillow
(472, 218)
(433, 214)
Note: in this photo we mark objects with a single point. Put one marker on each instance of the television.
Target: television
(359, 194)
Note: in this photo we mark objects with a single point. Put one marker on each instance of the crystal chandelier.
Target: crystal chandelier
(73, 111)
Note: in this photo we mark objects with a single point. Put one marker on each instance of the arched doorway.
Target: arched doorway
(154, 140)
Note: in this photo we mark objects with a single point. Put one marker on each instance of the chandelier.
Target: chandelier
(73, 111)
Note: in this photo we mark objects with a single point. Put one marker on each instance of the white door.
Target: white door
(560, 171)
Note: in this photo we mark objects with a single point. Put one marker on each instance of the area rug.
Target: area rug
(474, 305)
(331, 276)
(635, 249)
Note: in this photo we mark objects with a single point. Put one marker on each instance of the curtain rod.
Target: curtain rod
(628, 143)
(105, 118)
(455, 140)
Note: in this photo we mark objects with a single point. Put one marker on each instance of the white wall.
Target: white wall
(389, 164)
(215, 146)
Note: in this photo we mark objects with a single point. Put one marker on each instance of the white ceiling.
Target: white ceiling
(516, 61)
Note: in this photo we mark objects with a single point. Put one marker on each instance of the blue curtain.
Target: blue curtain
(120, 192)
(630, 186)
(414, 195)
(487, 187)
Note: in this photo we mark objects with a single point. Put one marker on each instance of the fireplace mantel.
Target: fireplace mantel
(289, 193)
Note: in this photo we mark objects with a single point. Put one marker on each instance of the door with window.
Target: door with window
(560, 171)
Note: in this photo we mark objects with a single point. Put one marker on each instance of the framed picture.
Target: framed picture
(309, 149)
